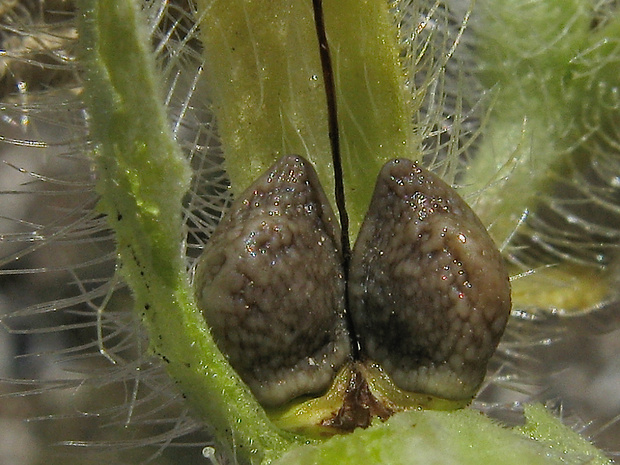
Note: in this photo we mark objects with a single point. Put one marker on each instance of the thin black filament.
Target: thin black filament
(334, 139)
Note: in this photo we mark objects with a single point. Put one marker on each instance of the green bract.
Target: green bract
(267, 86)
(452, 438)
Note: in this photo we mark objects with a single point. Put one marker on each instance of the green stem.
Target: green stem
(143, 177)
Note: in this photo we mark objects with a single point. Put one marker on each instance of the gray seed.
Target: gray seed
(429, 294)
(270, 283)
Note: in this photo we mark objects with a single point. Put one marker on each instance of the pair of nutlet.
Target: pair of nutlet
(429, 296)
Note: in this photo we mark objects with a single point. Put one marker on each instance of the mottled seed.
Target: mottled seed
(270, 283)
(429, 294)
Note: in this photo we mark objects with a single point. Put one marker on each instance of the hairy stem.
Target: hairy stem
(143, 177)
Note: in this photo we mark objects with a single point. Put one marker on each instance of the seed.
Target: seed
(270, 285)
(429, 296)
(428, 291)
